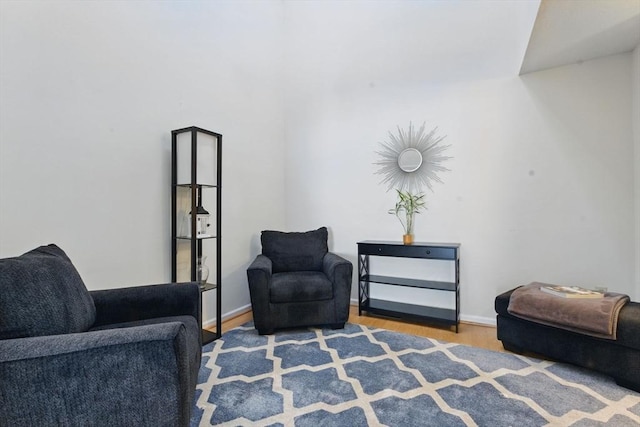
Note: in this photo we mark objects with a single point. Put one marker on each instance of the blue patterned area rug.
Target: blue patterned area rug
(361, 376)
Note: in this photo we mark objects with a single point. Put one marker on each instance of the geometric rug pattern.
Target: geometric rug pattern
(361, 376)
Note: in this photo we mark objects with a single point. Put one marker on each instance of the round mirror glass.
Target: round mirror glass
(410, 160)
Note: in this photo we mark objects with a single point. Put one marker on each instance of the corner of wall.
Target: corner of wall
(635, 120)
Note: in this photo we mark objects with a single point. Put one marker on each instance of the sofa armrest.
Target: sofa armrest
(128, 376)
(146, 302)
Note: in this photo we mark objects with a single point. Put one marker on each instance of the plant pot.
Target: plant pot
(407, 239)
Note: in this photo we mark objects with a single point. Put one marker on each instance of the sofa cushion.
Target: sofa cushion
(41, 293)
(295, 251)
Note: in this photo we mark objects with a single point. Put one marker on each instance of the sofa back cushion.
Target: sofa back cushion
(41, 293)
(295, 251)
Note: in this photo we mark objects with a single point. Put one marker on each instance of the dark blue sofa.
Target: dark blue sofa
(121, 357)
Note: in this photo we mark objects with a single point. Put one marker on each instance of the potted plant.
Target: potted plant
(406, 207)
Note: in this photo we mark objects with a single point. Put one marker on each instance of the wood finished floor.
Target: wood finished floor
(468, 333)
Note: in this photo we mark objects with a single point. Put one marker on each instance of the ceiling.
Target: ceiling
(572, 31)
(404, 43)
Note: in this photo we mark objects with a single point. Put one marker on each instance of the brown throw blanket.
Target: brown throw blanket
(597, 317)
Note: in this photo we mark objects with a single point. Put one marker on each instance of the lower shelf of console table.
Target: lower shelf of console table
(411, 311)
(403, 310)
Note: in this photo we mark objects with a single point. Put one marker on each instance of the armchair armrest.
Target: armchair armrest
(261, 265)
(129, 376)
(340, 273)
(259, 277)
(337, 268)
(146, 302)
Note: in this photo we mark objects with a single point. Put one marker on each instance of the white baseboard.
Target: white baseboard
(489, 321)
(229, 315)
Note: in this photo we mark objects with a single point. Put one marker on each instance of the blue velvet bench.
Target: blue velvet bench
(618, 358)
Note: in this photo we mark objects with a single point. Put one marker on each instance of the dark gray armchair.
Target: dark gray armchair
(296, 282)
(121, 357)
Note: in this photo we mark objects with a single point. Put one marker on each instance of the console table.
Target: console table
(419, 312)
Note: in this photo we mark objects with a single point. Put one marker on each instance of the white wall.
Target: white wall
(541, 187)
(542, 180)
(89, 93)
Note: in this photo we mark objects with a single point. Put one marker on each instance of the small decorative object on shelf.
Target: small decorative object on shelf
(202, 223)
(203, 271)
(196, 175)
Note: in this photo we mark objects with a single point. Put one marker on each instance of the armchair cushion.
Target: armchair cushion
(41, 293)
(299, 286)
(295, 251)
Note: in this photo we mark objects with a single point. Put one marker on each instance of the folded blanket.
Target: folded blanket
(596, 317)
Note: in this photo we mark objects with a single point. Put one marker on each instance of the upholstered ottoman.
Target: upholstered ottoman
(618, 358)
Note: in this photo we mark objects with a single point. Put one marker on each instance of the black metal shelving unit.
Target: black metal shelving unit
(186, 145)
(418, 312)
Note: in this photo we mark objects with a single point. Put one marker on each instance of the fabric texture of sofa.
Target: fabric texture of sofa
(296, 282)
(71, 357)
(619, 358)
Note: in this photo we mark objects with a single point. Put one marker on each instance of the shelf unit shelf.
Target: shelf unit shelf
(199, 185)
(404, 310)
(412, 283)
(208, 287)
(418, 312)
(194, 151)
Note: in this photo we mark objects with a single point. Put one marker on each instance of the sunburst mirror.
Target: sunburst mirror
(412, 159)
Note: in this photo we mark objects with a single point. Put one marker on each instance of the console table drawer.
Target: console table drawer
(408, 251)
